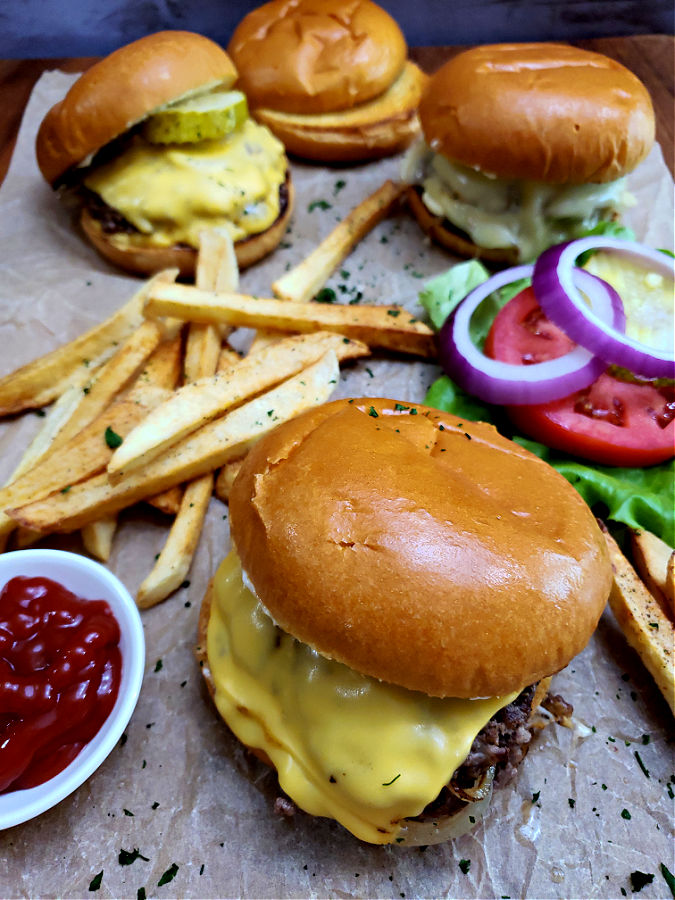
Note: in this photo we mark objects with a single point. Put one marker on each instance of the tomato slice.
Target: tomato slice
(613, 421)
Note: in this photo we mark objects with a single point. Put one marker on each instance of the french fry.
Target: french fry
(225, 479)
(213, 445)
(216, 267)
(651, 556)
(646, 627)
(302, 283)
(227, 357)
(112, 378)
(389, 327)
(97, 537)
(88, 452)
(203, 400)
(43, 380)
(175, 559)
(168, 501)
(58, 413)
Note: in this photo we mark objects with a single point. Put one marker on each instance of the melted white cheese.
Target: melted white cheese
(500, 213)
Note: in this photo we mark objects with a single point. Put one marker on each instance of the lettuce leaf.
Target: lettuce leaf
(641, 498)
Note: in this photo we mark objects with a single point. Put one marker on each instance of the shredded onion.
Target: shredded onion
(554, 283)
(506, 383)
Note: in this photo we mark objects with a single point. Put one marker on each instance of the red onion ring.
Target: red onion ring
(559, 298)
(506, 383)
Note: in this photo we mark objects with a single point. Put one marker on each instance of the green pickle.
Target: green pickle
(202, 118)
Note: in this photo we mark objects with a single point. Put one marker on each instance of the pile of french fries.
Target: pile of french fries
(154, 405)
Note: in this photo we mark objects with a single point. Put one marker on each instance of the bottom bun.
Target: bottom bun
(146, 260)
(444, 233)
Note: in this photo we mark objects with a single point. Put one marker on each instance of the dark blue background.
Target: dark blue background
(55, 28)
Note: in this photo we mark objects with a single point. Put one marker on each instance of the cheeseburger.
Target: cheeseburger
(525, 146)
(401, 586)
(330, 79)
(157, 147)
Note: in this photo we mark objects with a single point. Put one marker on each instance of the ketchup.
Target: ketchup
(60, 669)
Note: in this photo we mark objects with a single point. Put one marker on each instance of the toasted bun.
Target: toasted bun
(315, 56)
(123, 89)
(370, 130)
(444, 233)
(146, 260)
(418, 548)
(546, 112)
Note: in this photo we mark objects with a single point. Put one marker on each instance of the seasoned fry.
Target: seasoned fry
(58, 413)
(98, 536)
(205, 450)
(644, 624)
(651, 556)
(227, 357)
(302, 283)
(88, 451)
(112, 378)
(225, 479)
(43, 380)
(216, 267)
(389, 327)
(175, 559)
(168, 501)
(197, 403)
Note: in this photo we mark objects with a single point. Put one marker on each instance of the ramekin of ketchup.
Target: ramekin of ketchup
(72, 655)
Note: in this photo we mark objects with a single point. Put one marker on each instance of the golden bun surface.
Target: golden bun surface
(122, 89)
(545, 112)
(379, 127)
(419, 549)
(146, 260)
(314, 56)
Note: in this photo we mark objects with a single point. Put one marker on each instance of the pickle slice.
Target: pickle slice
(200, 118)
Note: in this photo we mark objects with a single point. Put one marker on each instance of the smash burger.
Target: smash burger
(401, 586)
(525, 146)
(157, 147)
(330, 78)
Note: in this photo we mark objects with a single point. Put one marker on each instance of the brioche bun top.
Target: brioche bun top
(419, 549)
(315, 56)
(544, 112)
(123, 89)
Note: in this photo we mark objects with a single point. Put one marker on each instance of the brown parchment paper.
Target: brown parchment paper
(582, 814)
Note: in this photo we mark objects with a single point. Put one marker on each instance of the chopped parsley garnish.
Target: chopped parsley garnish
(625, 814)
(395, 778)
(127, 857)
(325, 295)
(128, 812)
(140, 894)
(465, 865)
(169, 875)
(319, 204)
(639, 879)
(641, 764)
(535, 796)
(373, 412)
(158, 665)
(669, 878)
(95, 882)
(112, 438)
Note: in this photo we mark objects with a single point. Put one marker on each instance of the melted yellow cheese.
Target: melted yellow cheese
(346, 746)
(172, 192)
(501, 213)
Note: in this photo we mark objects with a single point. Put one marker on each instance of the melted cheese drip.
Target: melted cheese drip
(500, 213)
(171, 193)
(346, 746)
